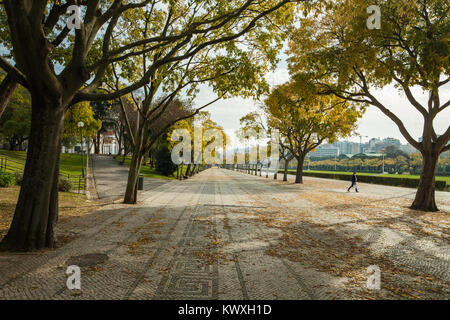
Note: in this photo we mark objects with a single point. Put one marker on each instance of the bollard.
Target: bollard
(141, 182)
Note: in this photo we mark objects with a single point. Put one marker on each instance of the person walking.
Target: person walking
(354, 179)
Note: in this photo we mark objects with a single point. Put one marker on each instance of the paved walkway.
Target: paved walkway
(227, 235)
(111, 178)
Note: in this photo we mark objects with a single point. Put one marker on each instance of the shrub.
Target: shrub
(19, 177)
(7, 180)
(163, 160)
(64, 185)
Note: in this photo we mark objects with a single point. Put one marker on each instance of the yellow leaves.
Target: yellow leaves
(135, 246)
(296, 109)
(81, 112)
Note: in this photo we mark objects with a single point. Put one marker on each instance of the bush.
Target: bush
(19, 177)
(64, 185)
(163, 160)
(7, 180)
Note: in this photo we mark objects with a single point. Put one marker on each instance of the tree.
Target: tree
(65, 69)
(253, 126)
(80, 112)
(16, 120)
(305, 119)
(202, 121)
(343, 56)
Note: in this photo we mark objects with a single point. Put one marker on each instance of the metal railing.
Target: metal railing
(12, 166)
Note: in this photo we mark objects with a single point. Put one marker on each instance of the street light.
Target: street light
(360, 142)
(81, 125)
(335, 164)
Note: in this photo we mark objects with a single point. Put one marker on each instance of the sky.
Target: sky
(373, 124)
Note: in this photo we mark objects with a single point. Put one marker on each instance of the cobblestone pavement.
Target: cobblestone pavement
(228, 235)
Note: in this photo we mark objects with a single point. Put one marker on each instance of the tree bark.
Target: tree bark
(425, 199)
(181, 171)
(133, 175)
(286, 166)
(7, 88)
(97, 143)
(299, 173)
(188, 170)
(37, 207)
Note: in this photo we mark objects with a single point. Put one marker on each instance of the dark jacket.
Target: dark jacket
(354, 179)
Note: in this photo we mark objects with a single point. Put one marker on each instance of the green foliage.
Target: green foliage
(7, 180)
(79, 112)
(64, 184)
(163, 160)
(16, 120)
(19, 177)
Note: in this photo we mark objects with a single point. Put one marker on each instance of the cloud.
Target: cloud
(277, 77)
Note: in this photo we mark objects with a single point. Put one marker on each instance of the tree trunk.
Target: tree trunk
(7, 88)
(97, 143)
(286, 166)
(133, 175)
(119, 141)
(188, 170)
(299, 173)
(37, 207)
(425, 199)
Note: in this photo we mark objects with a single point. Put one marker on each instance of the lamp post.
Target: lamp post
(360, 143)
(81, 125)
(335, 164)
(383, 165)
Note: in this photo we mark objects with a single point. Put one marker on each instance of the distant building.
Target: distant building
(326, 151)
(109, 144)
(391, 142)
(347, 147)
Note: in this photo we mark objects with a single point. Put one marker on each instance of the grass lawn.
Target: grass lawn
(69, 163)
(446, 179)
(149, 172)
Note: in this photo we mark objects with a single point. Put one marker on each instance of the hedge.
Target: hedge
(389, 181)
